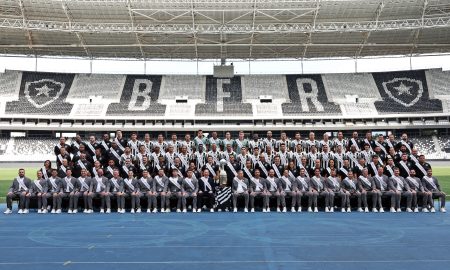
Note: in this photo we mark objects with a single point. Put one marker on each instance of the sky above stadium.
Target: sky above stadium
(204, 67)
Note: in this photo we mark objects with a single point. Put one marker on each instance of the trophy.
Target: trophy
(223, 179)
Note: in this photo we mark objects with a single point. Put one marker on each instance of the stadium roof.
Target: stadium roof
(232, 29)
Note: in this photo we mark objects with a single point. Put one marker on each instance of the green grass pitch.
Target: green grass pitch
(7, 174)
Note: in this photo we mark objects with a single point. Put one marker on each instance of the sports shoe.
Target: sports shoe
(234, 210)
(155, 210)
(381, 210)
(85, 211)
(425, 210)
(332, 209)
(102, 210)
(108, 211)
(349, 210)
(409, 210)
(7, 211)
(20, 211)
(299, 210)
(245, 210)
(433, 210)
(366, 209)
(278, 210)
(168, 210)
(252, 210)
(399, 210)
(132, 211)
(360, 209)
(374, 210)
(58, 211)
(119, 210)
(284, 210)
(149, 210)
(326, 210)
(316, 209)
(393, 210)
(443, 210)
(264, 210)
(40, 211)
(211, 210)
(53, 211)
(73, 211)
(178, 211)
(310, 209)
(416, 210)
(343, 210)
(26, 211)
(293, 210)
(268, 209)
(199, 210)
(184, 211)
(139, 210)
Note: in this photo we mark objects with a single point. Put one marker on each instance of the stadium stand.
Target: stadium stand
(404, 92)
(9, 85)
(363, 109)
(92, 109)
(42, 93)
(424, 145)
(340, 86)
(444, 143)
(30, 147)
(189, 86)
(352, 95)
(308, 97)
(99, 85)
(438, 83)
(26, 149)
(273, 86)
(3, 142)
(267, 109)
(223, 96)
(139, 97)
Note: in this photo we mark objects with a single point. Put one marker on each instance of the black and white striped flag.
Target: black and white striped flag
(223, 196)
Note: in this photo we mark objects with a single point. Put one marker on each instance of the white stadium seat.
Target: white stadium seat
(9, 85)
(190, 86)
(264, 85)
(106, 86)
(339, 86)
(438, 83)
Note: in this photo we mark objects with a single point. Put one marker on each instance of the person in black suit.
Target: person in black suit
(205, 195)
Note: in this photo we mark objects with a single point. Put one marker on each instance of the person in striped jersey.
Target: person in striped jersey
(340, 141)
(325, 142)
(295, 142)
(310, 142)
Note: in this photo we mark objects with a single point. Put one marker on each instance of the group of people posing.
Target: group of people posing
(185, 174)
